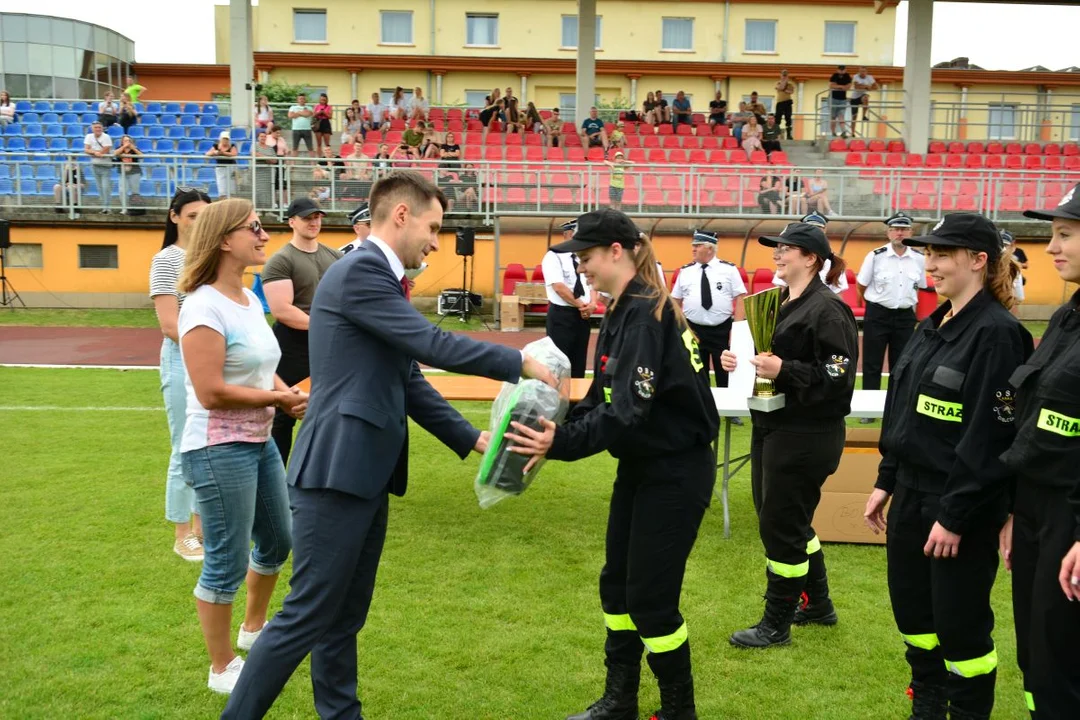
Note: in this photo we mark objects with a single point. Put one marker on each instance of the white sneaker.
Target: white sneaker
(245, 639)
(224, 681)
(189, 548)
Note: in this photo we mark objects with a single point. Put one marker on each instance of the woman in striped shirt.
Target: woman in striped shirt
(180, 507)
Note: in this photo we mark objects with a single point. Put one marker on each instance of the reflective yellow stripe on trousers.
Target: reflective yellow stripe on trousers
(1030, 699)
(976, 666)
(619, 622)
(788, 571)
(666, 643)
(923, 642)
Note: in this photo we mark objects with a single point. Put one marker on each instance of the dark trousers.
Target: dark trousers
(770, 145)
(713, 340)
(883, 328)
(783, 114)
(570, 333)
(942, 606)
(656, 508)
(787, 470)
(292, 368)
(1047, 624)
(337, 542)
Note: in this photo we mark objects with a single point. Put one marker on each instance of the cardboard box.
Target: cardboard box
(839, 516)
(530, 293)
(511, 314)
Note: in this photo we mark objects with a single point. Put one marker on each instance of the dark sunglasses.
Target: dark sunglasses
(255, 227)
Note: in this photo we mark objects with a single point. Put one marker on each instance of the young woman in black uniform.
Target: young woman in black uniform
(794, 449)
(1041, 541)
(948, 414)
(651, 408)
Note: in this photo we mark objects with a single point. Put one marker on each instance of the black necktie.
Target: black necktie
(579, 289)
(706, 291)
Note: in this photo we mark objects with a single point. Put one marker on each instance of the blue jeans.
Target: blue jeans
(242, 497)
(179, 498)
(103, 176)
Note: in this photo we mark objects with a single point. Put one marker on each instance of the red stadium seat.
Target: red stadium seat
(976, 148)
(853, 159)
(995, 148)
(1070, 149)
(956, 148)
(677, 157)
(936, 147)
(514, 273)
(762, 280)
(877, 146)
(838, 145)
(718, 157)
(1014, 149)
(914, 160)
(896, 146)
(857, 145)
(1033, 149)
(894, 159)
(927, 303)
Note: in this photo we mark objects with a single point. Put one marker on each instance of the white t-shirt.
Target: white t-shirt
(420, 104)
(103, 143)
(866, 81)
(377, 112)
(165, 270)
(251, 356)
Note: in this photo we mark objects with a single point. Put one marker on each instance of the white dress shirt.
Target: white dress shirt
(892, 280)
(396, 265)
(559, 268)
(726, 284)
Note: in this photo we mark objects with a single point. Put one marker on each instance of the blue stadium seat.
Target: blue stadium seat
(192, 109)
(210, 109)
(53, 131)
(204, 146)
(167, 119)
(77, 145)
(38, 144)
(32, 130)
(1, 142)
(197, 133)
(175, 132)
(136, 131)
(26, 171)
(42, 107)
(69, 118)
(224, 121)
(13, 129)
(50, 118)
(188, 120)
(15, 144)
(61, 106)
(148, 188)
(155, 131)
(30, 118)
(205, 175)
(88, 118)
(140, 108)
(74, 131)
(158, 173)
(23, 106)
(153, 107)
(208, 120)
(238, 134)
(148, 119)
(5, 172)
(46, 172)
(58, 144)
(115, 132)
(185, 147)
(172, 108)
(165, 146)
(79, 107)
(145, 145)
(7, 187)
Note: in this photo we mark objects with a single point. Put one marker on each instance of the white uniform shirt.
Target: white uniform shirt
(838, 287)
(892, 280)
(726, 284)
(1018, 288)
(559, 268)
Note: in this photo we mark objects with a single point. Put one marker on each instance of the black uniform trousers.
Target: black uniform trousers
(570, 333)
(783, 114)
(656, 508)
(713, 340)
(942, 606)
(1047, 624)
(337, 541)
(292, 368)
(787, 470)
(883, 328)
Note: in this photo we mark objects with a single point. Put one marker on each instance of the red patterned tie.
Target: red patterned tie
(405, 286)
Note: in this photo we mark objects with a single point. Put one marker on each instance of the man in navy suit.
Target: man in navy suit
(352, 451)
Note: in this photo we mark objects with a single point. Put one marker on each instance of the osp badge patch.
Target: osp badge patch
(1005, 406)
(837, 366)
(643, 386)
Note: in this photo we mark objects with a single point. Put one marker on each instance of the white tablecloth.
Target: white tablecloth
(731, 402)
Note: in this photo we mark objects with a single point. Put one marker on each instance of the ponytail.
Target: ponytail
(836, 270)
(645, 265)
(1000, 276)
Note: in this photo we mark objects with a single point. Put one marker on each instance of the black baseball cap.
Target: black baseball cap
(601, 227)
(1067, 209)
(804, 235)
(303, 207)
(963, 230)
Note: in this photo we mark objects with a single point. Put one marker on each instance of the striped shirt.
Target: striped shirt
(165, 271)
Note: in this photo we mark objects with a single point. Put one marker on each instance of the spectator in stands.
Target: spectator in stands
(592, 131)
(301, 116)
(861, 85)
(7, 109)
(770, 134)
(238, 476)
(108, 111)
(648, 109)
(736, 120)
(553, 129)
(376, 112)
(515, 121)
(130, 168)
(357, 110)
(418, 105)
(357, 166)
(617, 139)
(533, 121)
(128, 114)
(400, 157)
(98, 145)
(793, 184)
(328, 164)
(618, 180)
(322, 114)
(508, 99)
(224, 154)
(717, 110)
(492, 106)
(465, 190)
(430, 148)
(662, 112)
(399, 106)
(450, 155)
(757, 108)
(839, 84)
(181, 508)
(133, 90)
(751, 135)
(412, 139)
(264, 115)
(681, 113)
(770, 189)
(817, 194)
(381, 161)
(68, 192)
(785, 89)
(354, 127)
(268, 173)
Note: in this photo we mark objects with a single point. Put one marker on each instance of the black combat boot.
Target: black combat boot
(676, 701)
(816, 607)
(928, 701)
(774, 628)
(620, 695)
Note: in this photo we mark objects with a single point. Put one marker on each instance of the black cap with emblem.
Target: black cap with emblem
(704, 237)
(964, 230)
(361, 215)
(809, 237)
(900, 219)
(303, 207)
(1067, 209)
(601, 227)
(569, 226)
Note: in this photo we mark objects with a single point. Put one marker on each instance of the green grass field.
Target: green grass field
(477, 614)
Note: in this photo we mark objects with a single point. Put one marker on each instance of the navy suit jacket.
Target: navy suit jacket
(364, 342)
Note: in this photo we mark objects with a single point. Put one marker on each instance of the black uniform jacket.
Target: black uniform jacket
(950, 411)
(1047, 446)
(648, 397)
(818, 341)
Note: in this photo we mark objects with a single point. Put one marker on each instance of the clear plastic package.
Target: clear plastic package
(501, 471)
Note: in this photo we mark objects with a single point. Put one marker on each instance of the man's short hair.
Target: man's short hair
(408, 187)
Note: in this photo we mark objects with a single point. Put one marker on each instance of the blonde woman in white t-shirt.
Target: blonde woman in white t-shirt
(230, 355)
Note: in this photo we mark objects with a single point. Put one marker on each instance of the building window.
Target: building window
(482, 30)
(309, 26)
(98, 257)
(476, 98)
(569, 31)
(840, 38)
(760, 36)
(677, 34)
(764, 100)
(24, 255)
(1074, 123)
(397, 27)
(1002, 122)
